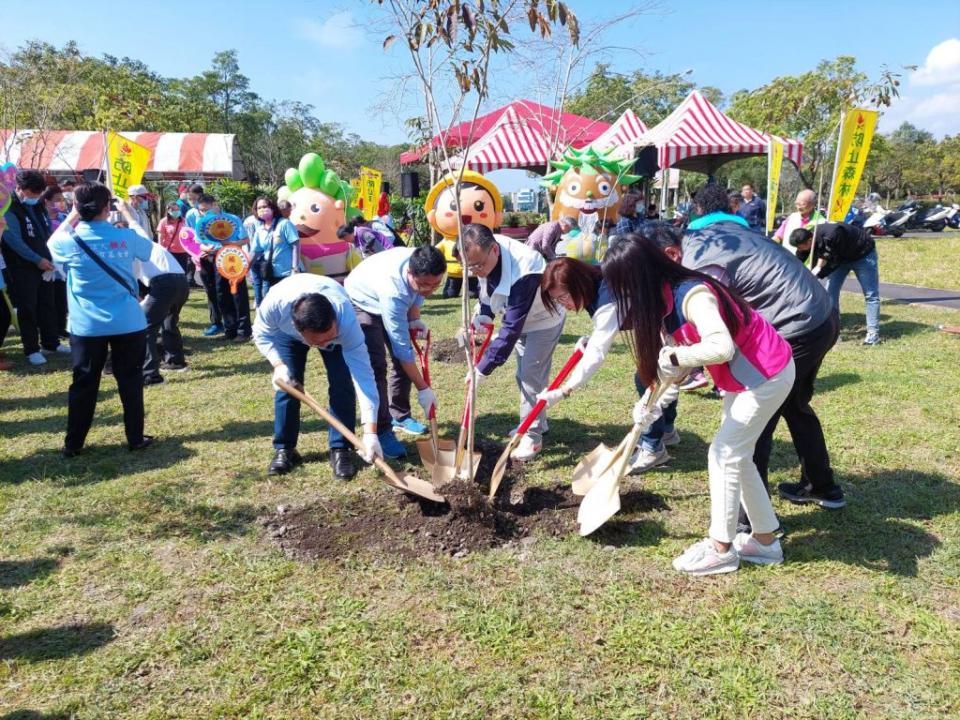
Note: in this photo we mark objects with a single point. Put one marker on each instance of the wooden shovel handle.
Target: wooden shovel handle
(303, 396)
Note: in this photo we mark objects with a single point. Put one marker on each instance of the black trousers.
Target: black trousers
(60, 305)
(36, 309)
(208, 277)
(89, 355)
(453, 286)
(166, 296)
(234, 308)
(4, 315)
(805, 429)
(395, 392)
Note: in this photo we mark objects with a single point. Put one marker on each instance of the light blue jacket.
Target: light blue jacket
(275, 318)
(379, 286)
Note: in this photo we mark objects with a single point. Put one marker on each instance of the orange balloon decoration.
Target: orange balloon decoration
(233, 264)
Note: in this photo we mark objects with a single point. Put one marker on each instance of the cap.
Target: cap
(470, 176)
(137, 190)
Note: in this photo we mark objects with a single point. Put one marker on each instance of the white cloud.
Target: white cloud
(938, 113)
(942, 66)
(340, 31)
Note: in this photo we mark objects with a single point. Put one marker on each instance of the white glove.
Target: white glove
(480, 323)
(816, 270)
(667, 370)
(551, 397)
(418, 328)
(49, 275)
(480, 377)
(643, 416)
(427, 399)
(371, 447)
(281, 372)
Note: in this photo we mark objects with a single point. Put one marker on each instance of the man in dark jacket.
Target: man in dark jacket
(788, 296)
(752, 208)
(837, 249)
(30, 268)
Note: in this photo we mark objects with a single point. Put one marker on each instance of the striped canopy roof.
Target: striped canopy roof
(510, 143)
(622, 135)
(697, 136)
(174, 155)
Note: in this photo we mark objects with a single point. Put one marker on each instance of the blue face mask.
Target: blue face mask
(30, 201)
(174, 213)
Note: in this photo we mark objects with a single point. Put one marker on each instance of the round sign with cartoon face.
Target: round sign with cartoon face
(233, 264)
(218, 228)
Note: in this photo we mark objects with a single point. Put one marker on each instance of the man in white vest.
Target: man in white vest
(805, 217)
(509, 275)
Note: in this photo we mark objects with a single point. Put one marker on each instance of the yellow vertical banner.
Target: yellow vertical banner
(856, 134)
(774, 166)
(355, 199)
(126, 162)
(370, 181)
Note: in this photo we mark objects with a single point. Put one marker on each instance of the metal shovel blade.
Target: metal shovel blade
(591, 468)
(602, 501)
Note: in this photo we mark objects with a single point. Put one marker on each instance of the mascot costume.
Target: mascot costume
(320, 202)
(480, 202)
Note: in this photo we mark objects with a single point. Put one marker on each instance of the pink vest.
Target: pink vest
(760, 351)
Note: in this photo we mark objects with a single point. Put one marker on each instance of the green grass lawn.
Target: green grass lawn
(140, 585)
(921, 260)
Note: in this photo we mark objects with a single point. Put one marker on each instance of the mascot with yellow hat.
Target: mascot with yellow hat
(480, 202)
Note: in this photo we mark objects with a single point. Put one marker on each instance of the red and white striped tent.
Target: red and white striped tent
(512, 142)
(696, 136)
(622, 136)
(174, 155)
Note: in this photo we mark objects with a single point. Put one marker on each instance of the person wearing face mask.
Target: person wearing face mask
(234, 308)
(30, 268)
(168, 235)
(140, 202)
(52, 200)
(68, 187)
(275, 246)
(312, 311)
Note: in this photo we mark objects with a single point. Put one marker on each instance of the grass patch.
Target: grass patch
(921, 260)
(141, 585)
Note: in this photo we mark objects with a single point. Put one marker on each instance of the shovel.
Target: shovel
(465, 423)
(501, 466)
(429, 449)
(602, 499)
(409, 483)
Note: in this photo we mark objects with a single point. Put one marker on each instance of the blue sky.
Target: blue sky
(329, 53)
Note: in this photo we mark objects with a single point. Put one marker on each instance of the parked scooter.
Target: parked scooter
(898, 221)
(953, 218)
(935, 218)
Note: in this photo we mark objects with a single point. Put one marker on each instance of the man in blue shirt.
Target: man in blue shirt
(30, 268)
(234, 307)
(305, 311)
(752, 209)
(630, 220)
(387, 290)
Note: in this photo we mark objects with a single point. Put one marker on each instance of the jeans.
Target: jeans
(868, 275)
(89, 355)
(652, 439)
(394, 391)
(534, 352)
(256, 279)
(734, 477)
(36, 308)
(165, 298)
(453, 286)
(342, 396)
(208, 276)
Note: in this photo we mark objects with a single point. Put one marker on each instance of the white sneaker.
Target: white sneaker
(36, 358)
(703, 558)
(62, 349)
(526, 449)
(671, 438)
(644, 460)
(752, 550)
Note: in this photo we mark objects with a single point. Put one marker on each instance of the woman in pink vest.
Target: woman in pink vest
(706, 324)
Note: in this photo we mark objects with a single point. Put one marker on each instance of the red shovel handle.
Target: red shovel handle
(423, 355)
(557, 381)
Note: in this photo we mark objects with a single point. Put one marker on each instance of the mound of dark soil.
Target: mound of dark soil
(447, 351)
(406, 526)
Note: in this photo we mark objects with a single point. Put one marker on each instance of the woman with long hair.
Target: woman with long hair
(710, 325)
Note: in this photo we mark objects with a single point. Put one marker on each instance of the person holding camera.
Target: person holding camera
(105, 314)
(275, 245)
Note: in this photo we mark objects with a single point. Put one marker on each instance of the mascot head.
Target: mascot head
(480, 202)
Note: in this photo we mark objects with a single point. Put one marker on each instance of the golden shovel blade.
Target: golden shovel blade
(443, 466)
(591, 468)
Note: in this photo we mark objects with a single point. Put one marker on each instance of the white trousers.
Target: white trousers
(733, 476)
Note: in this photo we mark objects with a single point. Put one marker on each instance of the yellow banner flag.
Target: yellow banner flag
(370, 181)
(774, 166)
(127, 162)
(856, 134)
(355, 198)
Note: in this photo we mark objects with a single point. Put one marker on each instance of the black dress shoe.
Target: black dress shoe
(283, 462)
(145, 442)
(342, 460)
(68, 453)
